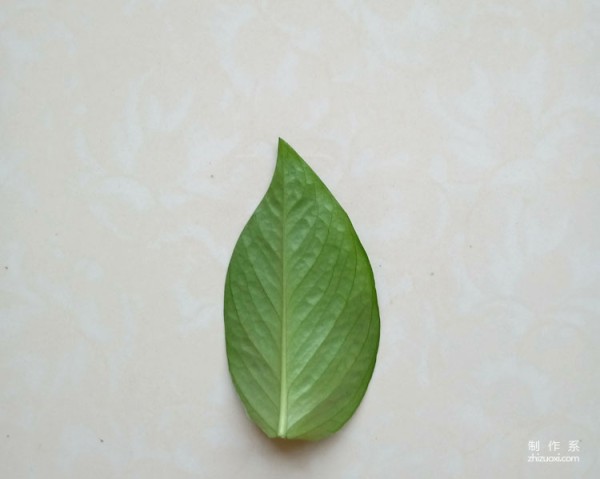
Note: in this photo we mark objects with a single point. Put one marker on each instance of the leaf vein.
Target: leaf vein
(243, 327)
(367, 371)
(330, 330)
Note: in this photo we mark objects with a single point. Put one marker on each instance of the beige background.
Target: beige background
(137, 137)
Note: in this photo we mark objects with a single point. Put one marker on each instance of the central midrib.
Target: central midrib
(282, 429)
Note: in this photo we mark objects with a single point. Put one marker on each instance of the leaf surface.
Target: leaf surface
(301, 314)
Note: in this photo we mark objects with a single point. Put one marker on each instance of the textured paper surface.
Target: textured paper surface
(137, 137)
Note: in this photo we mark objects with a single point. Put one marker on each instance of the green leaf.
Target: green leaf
(301, 314)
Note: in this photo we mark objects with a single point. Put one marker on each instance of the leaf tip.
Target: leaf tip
(284, 152)
(281, 144)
